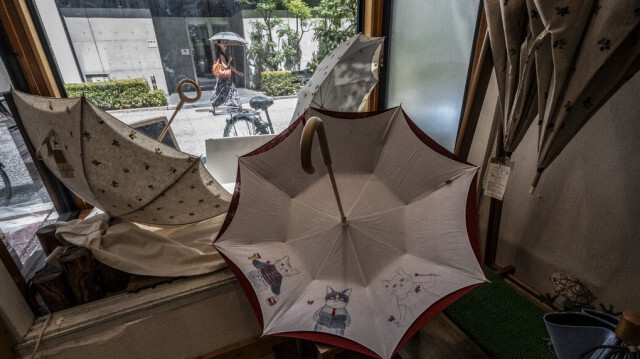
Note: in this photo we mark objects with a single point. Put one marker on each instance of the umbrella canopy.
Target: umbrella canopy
(595, 50)
(569, 60)
(406, 249)
(116, 168)
(231, 37)
(344, 78)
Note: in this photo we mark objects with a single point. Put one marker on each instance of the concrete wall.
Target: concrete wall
(117, 46)
(172, 38)
(58, 41)
(583, 218)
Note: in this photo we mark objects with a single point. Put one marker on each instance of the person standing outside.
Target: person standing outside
(225, 92)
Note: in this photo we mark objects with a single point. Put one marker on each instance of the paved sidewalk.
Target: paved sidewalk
(244, 93)
(193, 125)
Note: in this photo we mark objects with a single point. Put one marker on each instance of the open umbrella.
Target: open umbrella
(231, 37)
(116, 168)
(344, 78)
(370, 278)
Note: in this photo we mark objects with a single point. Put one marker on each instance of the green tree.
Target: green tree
(291, 38)
(263, 54)
(336, 23)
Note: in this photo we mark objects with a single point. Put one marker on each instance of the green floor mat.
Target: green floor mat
(503, 322)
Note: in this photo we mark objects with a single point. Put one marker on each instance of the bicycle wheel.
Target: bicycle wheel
(244, 125)
(5, 188)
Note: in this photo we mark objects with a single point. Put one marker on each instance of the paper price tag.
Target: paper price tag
(496, 180)
(65, 169)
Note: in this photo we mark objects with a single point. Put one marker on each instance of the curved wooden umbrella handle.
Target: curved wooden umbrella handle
(315, 125)
(183, 98)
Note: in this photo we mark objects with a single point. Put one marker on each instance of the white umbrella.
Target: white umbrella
(366, 271)
(231, 37)
(344, 78)
(116, 168)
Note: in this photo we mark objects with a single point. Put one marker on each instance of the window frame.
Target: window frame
(26, 56)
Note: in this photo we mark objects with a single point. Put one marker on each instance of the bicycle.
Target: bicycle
(249, 122)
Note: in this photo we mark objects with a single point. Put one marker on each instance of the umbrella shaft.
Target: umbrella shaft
(335, 192)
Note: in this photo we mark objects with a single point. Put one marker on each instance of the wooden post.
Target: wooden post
(629, 327)
(113, 280)
(52, 285)
(47, 238)
(78, 265)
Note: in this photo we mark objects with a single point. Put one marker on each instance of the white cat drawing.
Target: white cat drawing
(408, 292)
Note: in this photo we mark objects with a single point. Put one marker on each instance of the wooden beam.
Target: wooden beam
(26, 44)
(480, 76)
(373, 27)
(5, 345)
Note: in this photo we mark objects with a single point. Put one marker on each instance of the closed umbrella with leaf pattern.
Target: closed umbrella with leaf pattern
(561, 61)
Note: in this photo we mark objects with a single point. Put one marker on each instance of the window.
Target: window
(430, 80)
(165, 41)
(25, 203)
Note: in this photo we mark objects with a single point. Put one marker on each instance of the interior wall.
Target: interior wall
(584, 217)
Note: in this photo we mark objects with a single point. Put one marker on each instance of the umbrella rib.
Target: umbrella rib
(387, 134)
(385, 244)
(188, 169)
(364, 283)
(275, 186)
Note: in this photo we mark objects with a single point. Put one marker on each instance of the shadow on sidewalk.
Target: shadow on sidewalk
(244, 93)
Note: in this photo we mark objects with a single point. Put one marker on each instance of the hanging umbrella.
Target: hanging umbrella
(116, 168)
(344, 78)
(370, 278)
(511, 41)
(569, 60)
(231, 37)
(595, 49)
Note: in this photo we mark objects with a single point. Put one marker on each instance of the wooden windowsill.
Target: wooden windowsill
(76, 322)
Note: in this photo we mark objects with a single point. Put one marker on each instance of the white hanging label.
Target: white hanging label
(496, 180)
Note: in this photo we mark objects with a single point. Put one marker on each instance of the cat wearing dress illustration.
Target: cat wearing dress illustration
(408, 292)
(333, 317)
(268, 276)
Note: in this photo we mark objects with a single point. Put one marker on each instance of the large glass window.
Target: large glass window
(429, 55)
(25, 204)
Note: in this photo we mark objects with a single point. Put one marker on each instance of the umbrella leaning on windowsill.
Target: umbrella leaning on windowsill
(366, 270)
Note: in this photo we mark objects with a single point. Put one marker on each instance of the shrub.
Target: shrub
(279, 83)
(118, 94)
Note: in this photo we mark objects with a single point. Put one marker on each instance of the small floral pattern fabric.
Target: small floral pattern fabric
(566, 57)
(118, 169)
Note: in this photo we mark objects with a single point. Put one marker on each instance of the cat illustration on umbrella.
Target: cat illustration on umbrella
(408, 292)
(269, 276)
